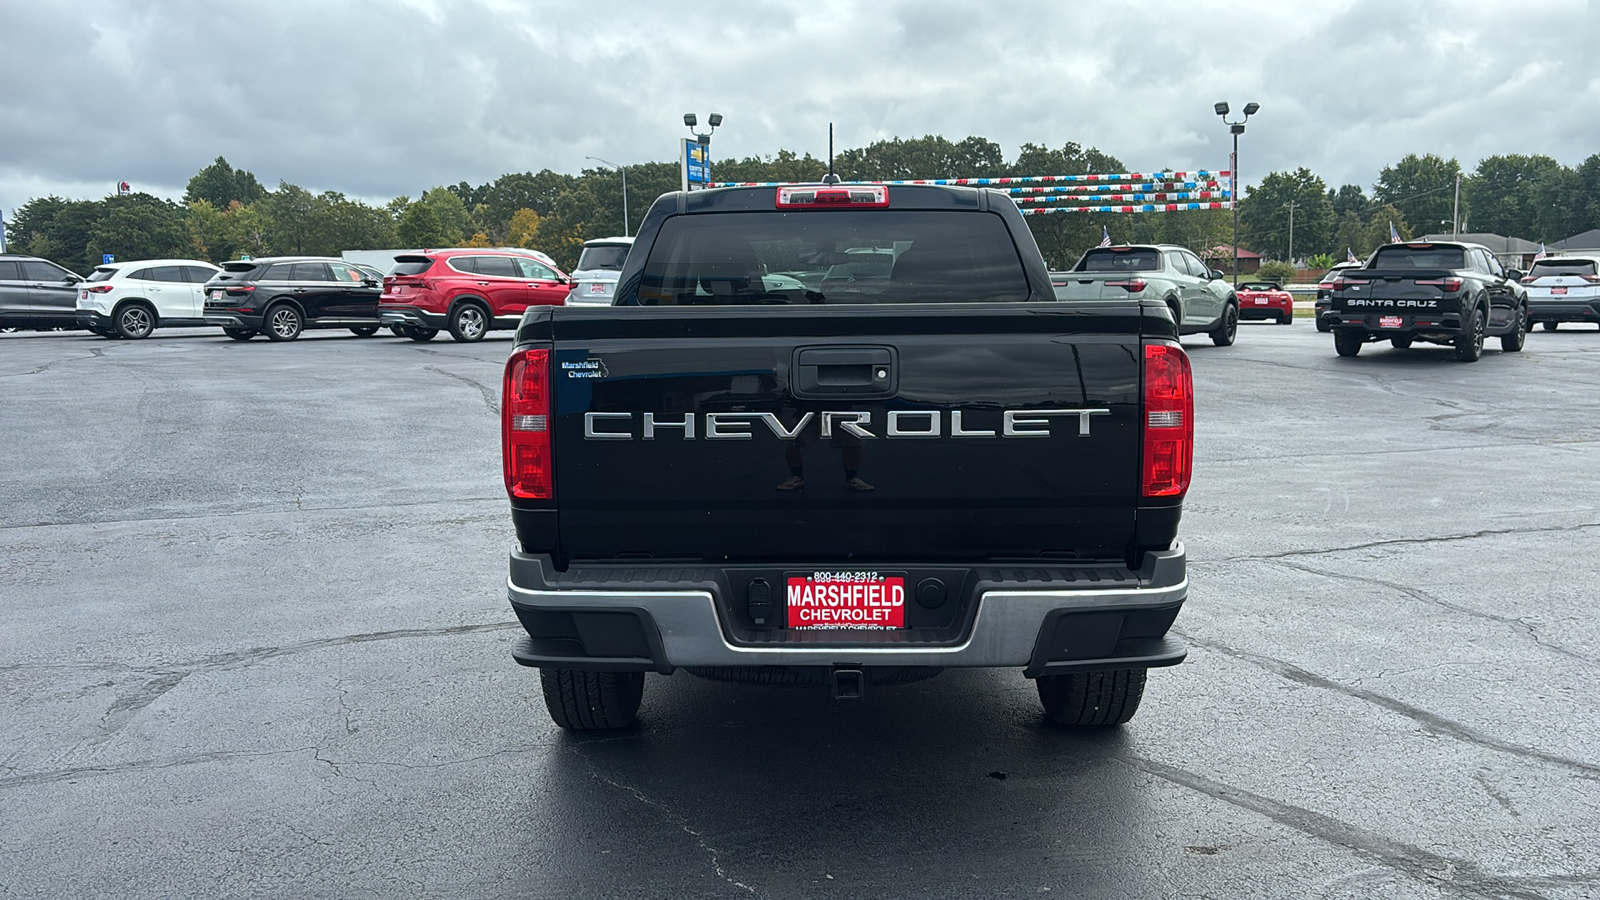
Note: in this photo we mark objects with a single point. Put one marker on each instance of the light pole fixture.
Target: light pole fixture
(704, 138)
(624, 171)
(1237, 128)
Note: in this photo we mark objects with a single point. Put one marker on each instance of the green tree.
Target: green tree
(454, 219)
(55, 229)
(1264, 215)
(290, 213)
(930, 156)
(1421, 188)
(247, 230)
(1349, 198)
(1502, 194)
(139, 226)
(1063, 237)
(420, 228)
(220, 184)
(208, 231)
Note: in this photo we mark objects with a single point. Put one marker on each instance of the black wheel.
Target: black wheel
(240, 334)
(1092, 698)
(1286, 319)
(421, 334)
(398, 330)
(591, 701)
(364, 330)
(283, 322)
(1323, 326)
(1469, 344)
(1348, 341)
(1511, 343)
(1229, 329)
(469, 323)
(135, 321)
(1549, 326)
(1400, 343)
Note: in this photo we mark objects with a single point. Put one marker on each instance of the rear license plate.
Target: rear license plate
(1261, 301)
(597, 288)
(216, 295)
(1558, 290)
(847, 600)
(1389, 321)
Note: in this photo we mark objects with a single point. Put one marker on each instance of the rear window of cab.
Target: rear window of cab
(1116, 259)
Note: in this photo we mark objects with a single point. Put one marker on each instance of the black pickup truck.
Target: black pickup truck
(1441, 293)
(739, 472)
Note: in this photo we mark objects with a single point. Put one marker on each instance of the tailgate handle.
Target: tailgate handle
(849, 371)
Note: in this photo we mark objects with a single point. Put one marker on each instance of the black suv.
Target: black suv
(37, 293)
(282, 296)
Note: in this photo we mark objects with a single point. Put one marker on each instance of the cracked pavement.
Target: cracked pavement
(253, 642)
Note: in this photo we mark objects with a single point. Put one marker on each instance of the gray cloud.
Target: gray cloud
(382, 97)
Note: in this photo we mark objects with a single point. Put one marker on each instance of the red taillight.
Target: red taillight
(240, 288)
(1168, 421)
(525, 426)
(1340, 284)
(98, 288)
(1325, 286)
(1589, 278)
(1132, 286)
(1450, 285)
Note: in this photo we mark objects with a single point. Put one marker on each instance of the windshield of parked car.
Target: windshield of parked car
(1550, 267)
(1422, 256)
(1259, 286)
(1120, 259)
(602, 257)
(913, 256)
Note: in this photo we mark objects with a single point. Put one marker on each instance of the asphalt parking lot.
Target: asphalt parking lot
(254, 642)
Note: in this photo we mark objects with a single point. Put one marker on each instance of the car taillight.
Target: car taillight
(1340, 284)
(1450, 285)
(858, 196)
(1589, 278)
(240, 288)
(1168, 421)
(1132, 286)
(525, 426)
(98, 288)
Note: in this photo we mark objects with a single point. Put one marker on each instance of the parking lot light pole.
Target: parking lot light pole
(624, 171)
(1237, 128)
(704, 138)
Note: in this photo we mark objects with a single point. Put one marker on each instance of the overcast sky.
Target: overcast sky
(377, 98)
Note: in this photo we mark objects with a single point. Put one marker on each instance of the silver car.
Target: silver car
(594, 281)
(1201, 302)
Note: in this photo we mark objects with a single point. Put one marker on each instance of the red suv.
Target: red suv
(466, 291)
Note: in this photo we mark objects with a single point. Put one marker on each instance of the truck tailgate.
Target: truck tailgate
(972, 432)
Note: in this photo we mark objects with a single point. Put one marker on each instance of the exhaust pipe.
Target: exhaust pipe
(848, 683)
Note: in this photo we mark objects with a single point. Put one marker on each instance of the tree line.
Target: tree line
(227, 212)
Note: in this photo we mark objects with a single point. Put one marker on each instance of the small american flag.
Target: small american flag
(1394, 236)
(1350, 255)
(1105, 236)
(1541, 254)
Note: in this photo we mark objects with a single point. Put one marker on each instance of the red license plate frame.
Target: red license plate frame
(1558, 290)
(1391, 321)
(845, 601)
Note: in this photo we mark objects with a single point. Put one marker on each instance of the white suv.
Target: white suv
(1563, 289)
(594, 281)
(132, 299)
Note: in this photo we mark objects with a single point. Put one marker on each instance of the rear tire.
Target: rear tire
(240, 334)
(1469, 344)
(1549, 326)
(1228, 329)
(1512, 343)
(469, 323)
(1287, 319)
(282, 323)
(135, 321)
(592, 701)
(364, 330)
(1347, 342)
(1092, 698)
(421, 334)
(1322, 326)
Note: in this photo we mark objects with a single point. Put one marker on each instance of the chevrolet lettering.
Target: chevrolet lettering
(846, 435)
(898, 423)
